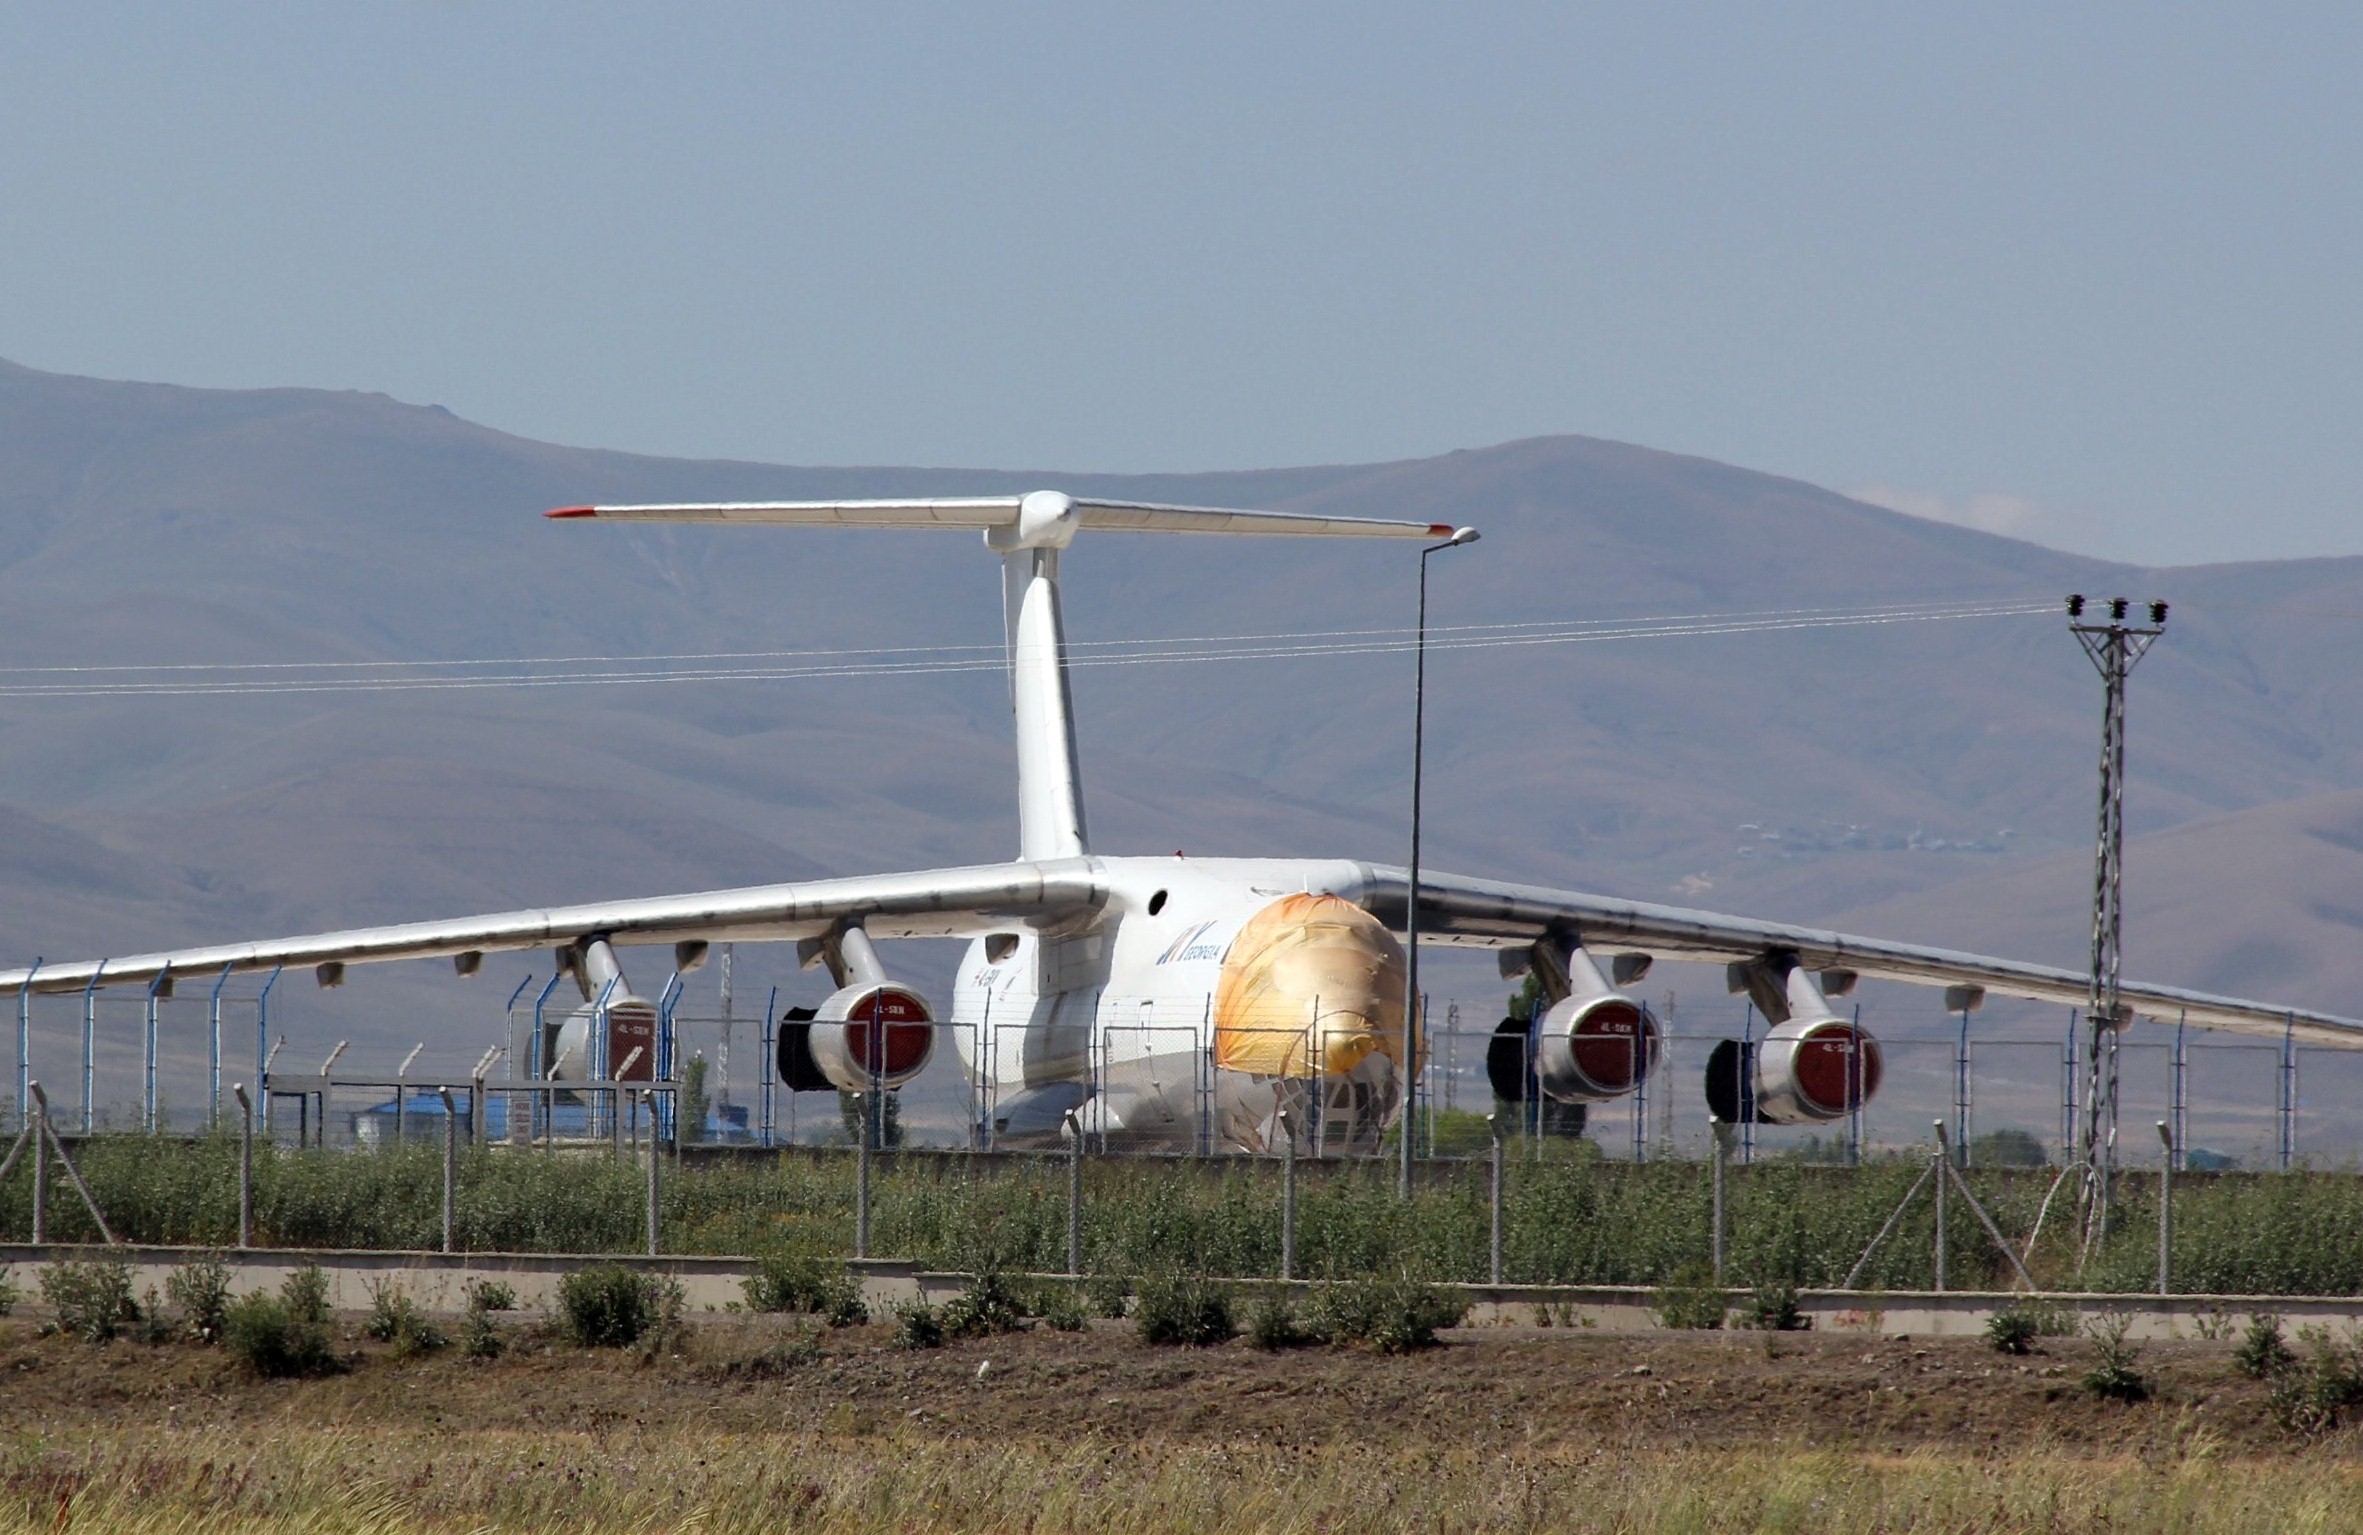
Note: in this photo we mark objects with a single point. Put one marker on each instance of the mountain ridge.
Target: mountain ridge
(139, 524)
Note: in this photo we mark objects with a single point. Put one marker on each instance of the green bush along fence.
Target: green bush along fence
(1574, 1220)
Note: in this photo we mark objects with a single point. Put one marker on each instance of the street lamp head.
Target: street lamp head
(1461, 536)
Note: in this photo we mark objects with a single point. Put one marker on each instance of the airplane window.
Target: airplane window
(1156, 903)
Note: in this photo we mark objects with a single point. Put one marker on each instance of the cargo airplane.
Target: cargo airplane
(1192, 1003)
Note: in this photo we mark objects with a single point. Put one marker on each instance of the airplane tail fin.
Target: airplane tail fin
(1028, 532)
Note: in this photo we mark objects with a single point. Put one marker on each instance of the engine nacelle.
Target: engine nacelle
(1811, 1071)
(873, 1033)
(1593, 1044)
(631, 1025)
(1811, 1067)
(572, 1047)
(1592, 1049)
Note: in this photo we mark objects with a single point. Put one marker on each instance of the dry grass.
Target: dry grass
(773, 1423)
(327, 1479)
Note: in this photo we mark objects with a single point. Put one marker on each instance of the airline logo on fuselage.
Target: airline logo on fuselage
(1190, 947)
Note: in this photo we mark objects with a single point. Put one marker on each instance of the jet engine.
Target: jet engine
(1591, 1044)
(1811, 1067)
(871, 1033)
(631, 1023)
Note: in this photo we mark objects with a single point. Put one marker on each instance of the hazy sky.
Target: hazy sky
(2087, 273)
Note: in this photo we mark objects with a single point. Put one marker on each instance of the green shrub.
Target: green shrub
(10, 1291)
(2262, 1354)
(2113, 1374)
(2013, 1330)
(199, 1291)
(274, 1340)
(2330, 1381)
(1272, 1324)
(491, 1295)
(800, 1347)
(1183, 1310)
(1689, 1299)
(93, 1300)
(1773, 1308)
(989, 1307)
(396, 1319)
(917, 1325)
(785, 1284)
(480, 1337)
(845, 1307)
(1393, 1316)
(1107, 1295)
(807, 1284)
(1573, 1217)
(610, 1306)
(154, 1327)
(305, 1293)
(1061, 1308)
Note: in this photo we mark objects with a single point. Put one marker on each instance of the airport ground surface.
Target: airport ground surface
(1514, 1428)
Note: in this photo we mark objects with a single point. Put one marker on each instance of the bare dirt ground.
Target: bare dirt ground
(1491, 1389)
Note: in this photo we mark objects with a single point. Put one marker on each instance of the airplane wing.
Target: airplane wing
(1474, 913)
(937, 903)
(990, 512)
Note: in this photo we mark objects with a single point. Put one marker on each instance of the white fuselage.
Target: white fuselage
(1122, 1020)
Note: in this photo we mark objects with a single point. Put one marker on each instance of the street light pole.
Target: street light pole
(1419, 721)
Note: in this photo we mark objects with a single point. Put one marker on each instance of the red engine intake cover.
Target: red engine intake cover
(906, 1033)
(1614, 1046)
(1837, 1067)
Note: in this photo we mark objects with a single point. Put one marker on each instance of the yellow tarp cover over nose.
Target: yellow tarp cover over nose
(1312, 986)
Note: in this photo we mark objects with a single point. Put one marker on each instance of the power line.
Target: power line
(237, 679)
(1073, 645)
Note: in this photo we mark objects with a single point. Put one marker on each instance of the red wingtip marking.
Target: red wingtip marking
(1435, 529)
(573, 511)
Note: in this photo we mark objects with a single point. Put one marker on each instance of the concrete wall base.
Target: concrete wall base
(439, 1282)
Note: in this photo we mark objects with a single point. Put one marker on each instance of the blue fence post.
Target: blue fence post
(770, 1059)
(262, 1045)
(595, 1048)
(667, 1001)
(24, 1046)
(262, 1039)
(213, 1050)
(545, 1108)
(90, 1050)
